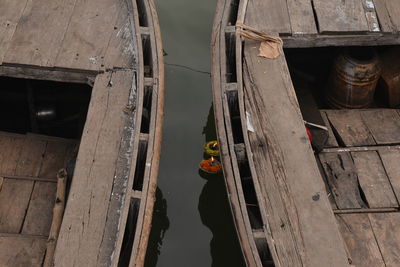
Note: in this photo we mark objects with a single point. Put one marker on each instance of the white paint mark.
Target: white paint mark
(148, 164)
(250, 127)
(93, 60)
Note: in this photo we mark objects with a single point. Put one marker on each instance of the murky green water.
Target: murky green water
(192, 224)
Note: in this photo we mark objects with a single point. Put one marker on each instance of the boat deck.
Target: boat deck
(293, 207)
(307, 23)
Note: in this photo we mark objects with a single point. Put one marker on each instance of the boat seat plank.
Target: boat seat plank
(360, 240)
(391, 159)
(40, 211)
(384, 124)
(273, 13)
(373, 180)
(40, 32)
(21, 251)
(350, 128)
(301, 17)
(393, 7)
(10, 13)
(338, 16)
(285, 147)
(342, 179)
(88, 34)
(11, 147)
(83, 228)
(386, 227)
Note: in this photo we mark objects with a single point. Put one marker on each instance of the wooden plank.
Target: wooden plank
(40, 212)
(350, 127)
(286, 167)
(391, 159)
(15, 196)
(338, 16)
(385, 21)
(273, 14)
(40, 32)
(386, 227)
(393, 7)
(371, 16)
(360, 240)
(373, 180)
(331, 137)
(10, 13)
(301, 16)
(121, 50)
(14, 200)
(83, 228)
(54, 159)
(384, 124)
(342, 179)
(11, 148)
(20, 252)
(88, 35)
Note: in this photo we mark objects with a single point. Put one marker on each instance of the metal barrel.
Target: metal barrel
(353, 79)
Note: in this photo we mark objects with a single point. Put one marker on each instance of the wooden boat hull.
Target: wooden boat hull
(115, 47)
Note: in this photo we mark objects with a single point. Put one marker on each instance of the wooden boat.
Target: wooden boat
(82, 91)
(338, 206)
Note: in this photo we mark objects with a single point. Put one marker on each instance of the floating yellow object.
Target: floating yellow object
(211, 165)
(212, 148)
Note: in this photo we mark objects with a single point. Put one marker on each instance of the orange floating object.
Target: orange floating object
(211, 165)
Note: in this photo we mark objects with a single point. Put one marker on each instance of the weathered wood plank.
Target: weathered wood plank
(385, 22)
(85, 216)
(391, 159)
(289, 165)
(371, 16)
(11, 148)
(301, 16)
(121, 51)
(350, 127)
(270, 16)
(331, 137)
(386, 227)
(342, 179)
(21, 252)
(40, 32)
(40, 211)
(393, 7)
(384, 124)
(338, 16)
(54, 158)
(88, 34)
(360, 240)
(373, 180)
(10, 13)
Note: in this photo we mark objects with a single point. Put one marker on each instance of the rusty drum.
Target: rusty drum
(353, 79)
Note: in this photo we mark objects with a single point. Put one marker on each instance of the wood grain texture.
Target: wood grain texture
(385, 22)
(40, 32)
(373, 180)
(10, 13)
(393, 8)
(290, 164)
(338, 16)
(85, 217)
(390, 159)
(21, 252)
(386, 227)
(331, 142)
(273, 14)
(342, 179)
(88, 34)
(301, 17)
(350, 127)
(360, 240)
(384, 124)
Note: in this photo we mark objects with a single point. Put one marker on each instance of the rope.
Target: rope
(271, 46)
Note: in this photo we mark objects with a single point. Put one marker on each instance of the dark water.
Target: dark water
(192, 224)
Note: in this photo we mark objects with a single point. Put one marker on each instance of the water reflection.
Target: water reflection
(160, 225)
(215, 213)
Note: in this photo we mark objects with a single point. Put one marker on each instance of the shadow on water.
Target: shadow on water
(215, 213)
(160, 225)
